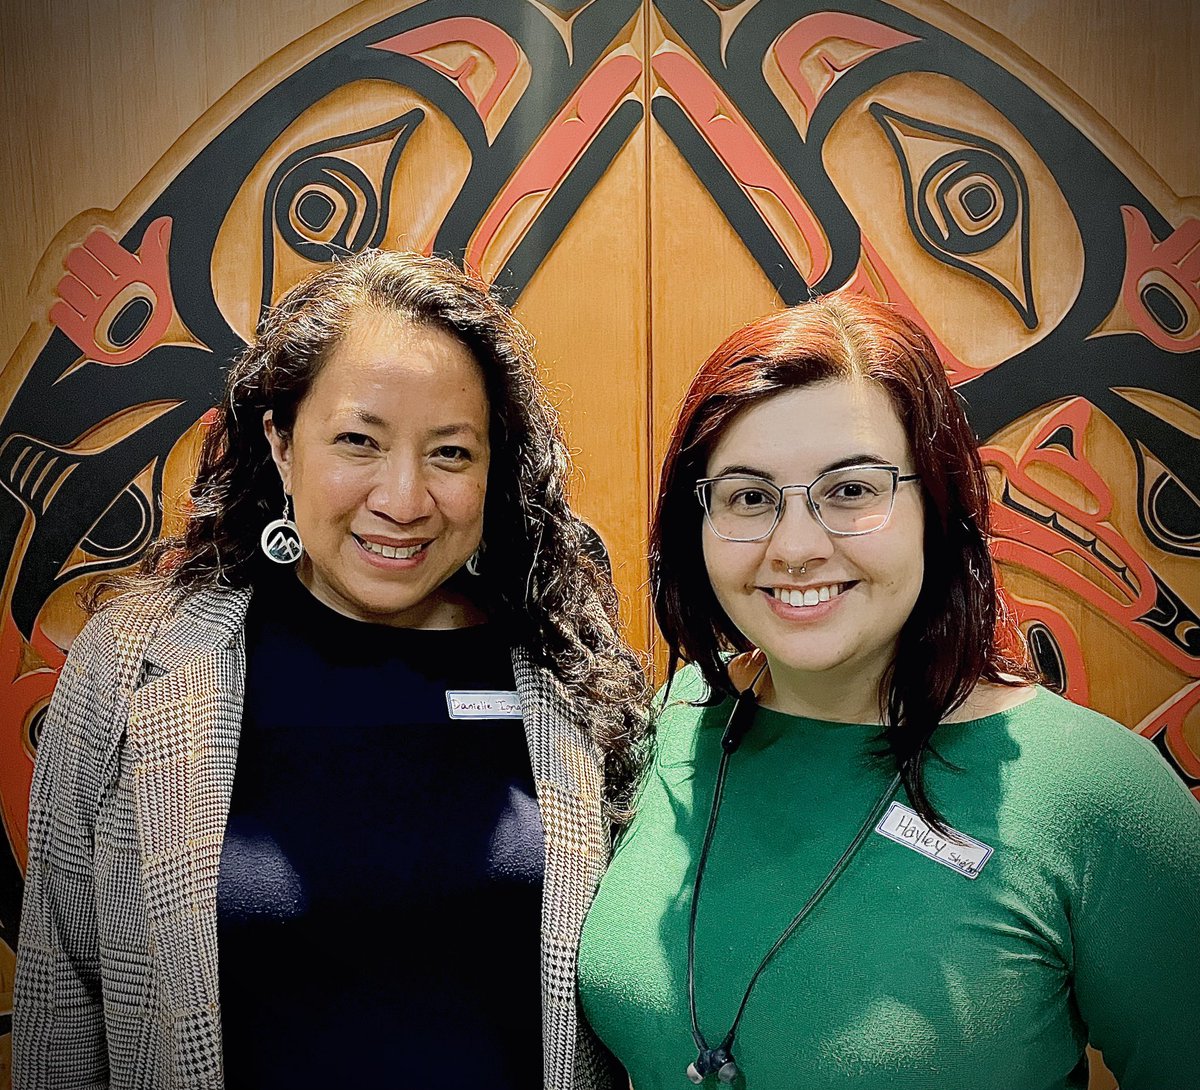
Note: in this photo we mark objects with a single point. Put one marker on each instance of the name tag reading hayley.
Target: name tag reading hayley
(963, 854)
(483, 704)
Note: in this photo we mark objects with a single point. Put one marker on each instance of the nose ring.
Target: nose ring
(797, 571)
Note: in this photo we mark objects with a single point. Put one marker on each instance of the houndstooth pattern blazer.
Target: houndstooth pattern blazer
(116, 982)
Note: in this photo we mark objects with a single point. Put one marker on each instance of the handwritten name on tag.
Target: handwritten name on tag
(483, 704)
(962, 853)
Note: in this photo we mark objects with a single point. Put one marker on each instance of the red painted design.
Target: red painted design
(20, 695)
(567, 136)
(499, 46)
(1172, 265)
(100, 270)
(740, 149)
(1122, 586)
(808, 35)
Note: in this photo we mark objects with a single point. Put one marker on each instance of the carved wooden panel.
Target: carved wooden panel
(639, 178)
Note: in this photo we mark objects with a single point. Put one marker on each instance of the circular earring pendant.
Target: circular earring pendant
(281, 541)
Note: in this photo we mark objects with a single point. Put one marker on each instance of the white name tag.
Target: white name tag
(962, 853)
(483, 704)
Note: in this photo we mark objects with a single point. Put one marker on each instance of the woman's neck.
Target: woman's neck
(839, 696)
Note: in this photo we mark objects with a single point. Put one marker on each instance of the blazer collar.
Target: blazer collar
(195, 625)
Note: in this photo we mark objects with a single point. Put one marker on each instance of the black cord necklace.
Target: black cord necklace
(720, 1060)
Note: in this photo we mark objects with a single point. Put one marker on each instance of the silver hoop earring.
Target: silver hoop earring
(472, 564)
(280, 538)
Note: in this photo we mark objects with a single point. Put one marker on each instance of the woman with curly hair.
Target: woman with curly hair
(359, 731)
(871, 853)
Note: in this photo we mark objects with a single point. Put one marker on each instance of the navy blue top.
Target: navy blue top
(380, 891)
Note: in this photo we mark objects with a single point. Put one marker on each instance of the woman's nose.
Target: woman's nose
(401, 494)
(799, 535)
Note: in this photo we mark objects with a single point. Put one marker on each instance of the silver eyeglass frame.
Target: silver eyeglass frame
(897, 479)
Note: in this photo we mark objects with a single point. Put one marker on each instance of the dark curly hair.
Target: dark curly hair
(540, 580)
(959, 631)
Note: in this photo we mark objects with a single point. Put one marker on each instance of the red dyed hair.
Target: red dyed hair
(952, 639)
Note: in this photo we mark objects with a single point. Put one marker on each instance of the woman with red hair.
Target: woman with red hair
(870, 851)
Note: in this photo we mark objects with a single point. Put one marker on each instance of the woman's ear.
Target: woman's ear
(281, 449)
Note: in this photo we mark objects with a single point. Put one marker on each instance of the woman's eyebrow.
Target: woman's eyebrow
(743, 471)
(365, 417)
(865, 458)
(446, 431)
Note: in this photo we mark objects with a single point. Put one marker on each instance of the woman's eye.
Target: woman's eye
(853, 490)
(751, 498)
(453, 454)
(355, 439)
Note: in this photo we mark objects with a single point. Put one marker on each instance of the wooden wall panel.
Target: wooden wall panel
(588, 304)
(96, 93)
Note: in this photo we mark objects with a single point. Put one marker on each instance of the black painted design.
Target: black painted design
(988, 169)
(1160, 743)
(1174, 618)
(1169, 513)
(129, 321)
(1063, 438)
(1047, 657)
(310, 186)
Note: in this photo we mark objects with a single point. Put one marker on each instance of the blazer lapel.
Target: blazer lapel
(567, 772)
(183, 734)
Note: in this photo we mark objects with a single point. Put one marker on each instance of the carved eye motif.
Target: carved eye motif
(32, 732)
(323, 205)
(1047, 656)
(125, 527)
(967, 203)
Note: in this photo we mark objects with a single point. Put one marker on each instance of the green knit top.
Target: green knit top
(1082, 924)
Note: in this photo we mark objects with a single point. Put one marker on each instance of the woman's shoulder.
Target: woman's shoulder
(1054, 748)
(116, 622)
(125, 624)
(679, 710)
(1041, 717)
(685, 689)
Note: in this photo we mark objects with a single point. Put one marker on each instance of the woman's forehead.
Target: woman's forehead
(813, 427)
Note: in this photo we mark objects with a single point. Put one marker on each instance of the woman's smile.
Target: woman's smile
(806, 604)
(380, 552)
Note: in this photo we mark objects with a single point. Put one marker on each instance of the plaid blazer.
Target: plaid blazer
(116, 981)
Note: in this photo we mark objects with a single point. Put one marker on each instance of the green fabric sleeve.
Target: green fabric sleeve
(1136, 925)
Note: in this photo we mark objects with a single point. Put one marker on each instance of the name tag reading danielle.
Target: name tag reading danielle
(483, 704)
(963, 854)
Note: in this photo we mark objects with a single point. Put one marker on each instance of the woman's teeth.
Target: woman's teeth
(391, 553)
(809, 597)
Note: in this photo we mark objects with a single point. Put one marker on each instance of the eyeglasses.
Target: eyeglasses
(847, 502)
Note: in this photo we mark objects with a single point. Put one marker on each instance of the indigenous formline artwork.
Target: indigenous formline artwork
(900, 150)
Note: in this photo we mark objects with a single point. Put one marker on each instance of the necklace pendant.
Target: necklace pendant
(718, 1061)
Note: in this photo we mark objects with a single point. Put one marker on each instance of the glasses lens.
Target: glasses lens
(855, 500)
(741, 508)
